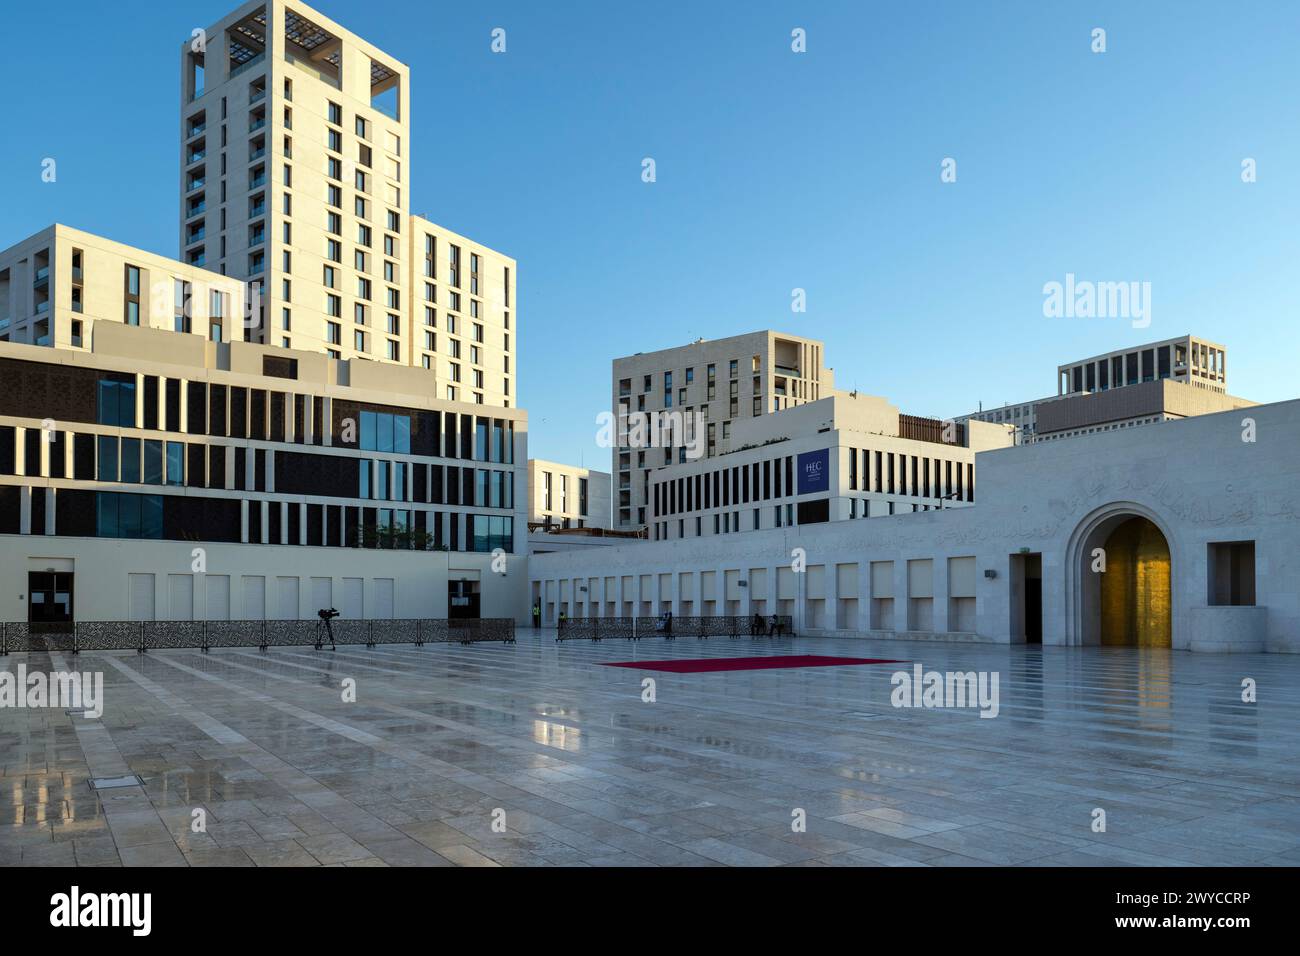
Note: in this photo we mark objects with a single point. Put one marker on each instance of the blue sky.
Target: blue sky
(775, 171)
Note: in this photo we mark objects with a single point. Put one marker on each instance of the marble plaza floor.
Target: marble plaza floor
(444, 741)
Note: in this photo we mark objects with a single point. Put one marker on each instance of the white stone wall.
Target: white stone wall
(1197, 479)
(106, 571)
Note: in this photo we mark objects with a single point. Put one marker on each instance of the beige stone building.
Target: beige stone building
(57, 285)
(713, 383)
(296, 176)
(1147, 403)
(567, 496)
(838, 458)
(1185, 360)
(462, 312)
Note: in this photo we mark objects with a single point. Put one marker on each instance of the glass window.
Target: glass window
(381, 482)
(131, 460)
(116, 403)
(365, 478)
(481, 439)
(106, 515)
(402, 434)
(368, 431)
(107, 470)
(153, 462)
(384, 438)
(128, 515)
(151, 516)
(175, 463)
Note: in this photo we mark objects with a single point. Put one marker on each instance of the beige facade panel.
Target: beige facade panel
(961, 577)
(920, 578)
(882, 579)
(1164, 398)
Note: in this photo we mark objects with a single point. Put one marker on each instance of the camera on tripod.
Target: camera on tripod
(326, 614)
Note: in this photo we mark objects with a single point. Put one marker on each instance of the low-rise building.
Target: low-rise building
(160, 476)
(567, 496)
(1185, 360)
(1147, 403)
(1198, 559)
(843, 457)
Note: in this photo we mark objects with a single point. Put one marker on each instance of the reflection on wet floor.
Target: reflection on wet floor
(589, 773)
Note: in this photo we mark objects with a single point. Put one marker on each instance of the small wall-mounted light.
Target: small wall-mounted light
(990, 573)
(742, 584)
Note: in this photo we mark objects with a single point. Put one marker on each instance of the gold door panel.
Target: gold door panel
(1135, 608)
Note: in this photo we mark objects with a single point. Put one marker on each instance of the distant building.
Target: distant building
(1187, 360)
(837, 458)
(567, 496)
(716, 383)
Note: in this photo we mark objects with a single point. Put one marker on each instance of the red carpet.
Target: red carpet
(705, 665)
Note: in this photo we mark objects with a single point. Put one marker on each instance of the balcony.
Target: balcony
(257, 154)
(257, 96)
(257, 238)
(196, 235)
(195, 209)
(247, 65)
(42, 307)
(196, 183)
(257, 123)
(787, 370)
(258, 210)
(42, 277)
(196, 130)
(195, 156)
(256, 181)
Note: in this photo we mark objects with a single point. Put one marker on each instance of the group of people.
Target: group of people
(774, 626)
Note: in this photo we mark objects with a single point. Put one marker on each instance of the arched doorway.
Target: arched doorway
(1129, 603)
(1135, 606)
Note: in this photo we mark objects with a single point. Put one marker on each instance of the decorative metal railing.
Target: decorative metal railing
(634, 628)
(146, 636)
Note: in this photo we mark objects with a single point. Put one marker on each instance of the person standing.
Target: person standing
(537, 615)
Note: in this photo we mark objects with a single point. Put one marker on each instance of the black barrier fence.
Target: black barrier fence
(145, 636)
(635, 628)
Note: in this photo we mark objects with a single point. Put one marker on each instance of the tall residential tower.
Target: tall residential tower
(296, 177)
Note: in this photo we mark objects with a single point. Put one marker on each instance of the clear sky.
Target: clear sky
(775, 171)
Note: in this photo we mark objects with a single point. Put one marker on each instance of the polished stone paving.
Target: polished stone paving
(533, 755)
